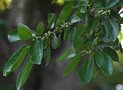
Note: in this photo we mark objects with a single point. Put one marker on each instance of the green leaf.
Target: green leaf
(24, 32)
(13, 36)
(65, 13)
(40, 28)
(80, 45)
(67, 33)
(80, 30)
(47, 53)
(72, 35)
(54, 41)
(104, 62)
(23, 74)
(66, 54)
(59, 40)
(112, 53)
(110, 30)
(115, 28)
(15, 60)
(73, 64)
(36, 51)
(111, 3)
(51, 20)
(86, 71)
(75, 19)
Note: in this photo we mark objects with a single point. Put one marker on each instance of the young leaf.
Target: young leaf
(36, 51)
(54, 41)
(51, 20)
(86, 71)
(65, 13)
(47, 53)
(24, 32)
(112, 53)
(23, 74)
(40, 28)
(104, 62)
(73, 64)
(15, 60)
(13, 36)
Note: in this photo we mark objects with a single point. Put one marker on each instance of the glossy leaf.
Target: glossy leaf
(23, 74)
(86, 71)
(65, 13)
(24, 32)
(36, 51)
(15, 60)
(47, 53)
(13, 36)
(111, 3)
(111, 30)
(66, 55)
(54, 41)
(73, 64)
(51, 20)
(40, 28)
(112, 53)
(104, 62)
(115, 28)
(75, 19)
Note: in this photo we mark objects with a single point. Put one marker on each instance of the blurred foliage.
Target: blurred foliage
(5, 4)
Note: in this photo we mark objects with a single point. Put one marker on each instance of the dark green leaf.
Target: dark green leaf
(75, 19)
(112, 53)
(66, 54)
(67, 32)
(54, 41)
(115, 28)
(23, 75)
(111, 3)
(59, 40)
(24, 32)
(51, 20)
(36, 51)
(13, 36)
(47, 53)
(72, 35)
(104, 62)
(40, 28)
(86, 71)
(80, 29)
(73, 64)
(111, 30)
(15, 60)
(65, 13)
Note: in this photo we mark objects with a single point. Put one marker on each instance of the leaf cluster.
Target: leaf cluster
(92, 27)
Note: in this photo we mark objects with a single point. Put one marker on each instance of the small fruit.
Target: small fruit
(60, 2)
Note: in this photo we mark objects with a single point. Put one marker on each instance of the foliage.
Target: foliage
(5, 4)
(92, 27)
